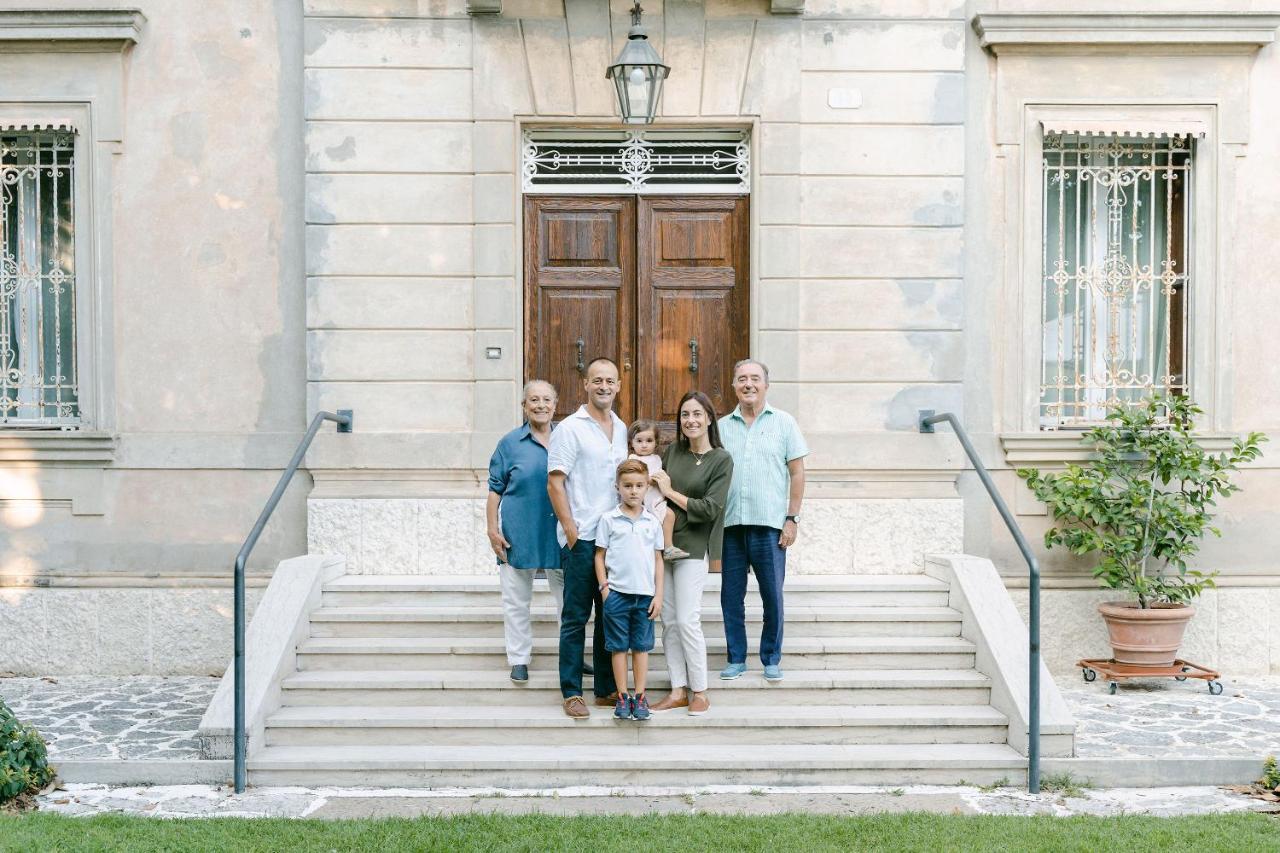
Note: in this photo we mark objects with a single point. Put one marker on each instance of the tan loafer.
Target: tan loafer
(607, 701)
(699, 705)
(670, 702)
(576, 708)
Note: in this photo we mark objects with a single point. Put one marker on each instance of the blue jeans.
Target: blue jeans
(581, 593)
(747, 547)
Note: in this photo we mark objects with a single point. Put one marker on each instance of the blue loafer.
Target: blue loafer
(732, 671)
(773, 672)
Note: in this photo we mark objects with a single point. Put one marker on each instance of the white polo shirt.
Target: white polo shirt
(581, 450)
(630, 544)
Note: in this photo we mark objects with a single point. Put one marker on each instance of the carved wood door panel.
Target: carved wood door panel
(659, 284)
(692, 300)
(580, 292)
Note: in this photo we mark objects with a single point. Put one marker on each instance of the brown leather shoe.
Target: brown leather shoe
(699, 705)
(576, 708)
(607, 701)
(672, 702)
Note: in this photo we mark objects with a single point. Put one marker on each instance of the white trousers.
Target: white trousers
(682, 639)
(517, 595)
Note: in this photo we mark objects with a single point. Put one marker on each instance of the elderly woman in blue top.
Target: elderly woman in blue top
(522, 524)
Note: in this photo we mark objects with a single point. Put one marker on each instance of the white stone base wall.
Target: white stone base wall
(117, 630)
(447, 535)
(1236, 629)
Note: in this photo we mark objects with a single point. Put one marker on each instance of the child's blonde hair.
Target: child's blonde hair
(632, 466)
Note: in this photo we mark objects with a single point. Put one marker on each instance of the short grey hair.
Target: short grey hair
(757, 362)
(528, 386)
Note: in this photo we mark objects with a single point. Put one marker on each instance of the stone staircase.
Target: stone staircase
(403, 682)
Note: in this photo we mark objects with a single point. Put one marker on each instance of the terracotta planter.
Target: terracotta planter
(1145, 637)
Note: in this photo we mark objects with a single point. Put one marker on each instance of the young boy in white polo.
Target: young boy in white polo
(629, 571)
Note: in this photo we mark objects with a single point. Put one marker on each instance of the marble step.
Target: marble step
(470, 591)
(799, 687)
(524, 723)
(488, 653)
(801, 620)
(543, 766)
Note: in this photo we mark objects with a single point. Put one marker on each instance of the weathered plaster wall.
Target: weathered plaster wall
(206, 382)
(1231, 335)
(857, 248)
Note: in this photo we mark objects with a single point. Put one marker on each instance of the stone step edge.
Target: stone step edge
(550, 645)
(445, 717)
(467, 583)
(794, 614)
(326, 679)
(640, 757)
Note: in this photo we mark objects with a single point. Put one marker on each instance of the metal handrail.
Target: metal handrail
(343, 418)
(927, 419)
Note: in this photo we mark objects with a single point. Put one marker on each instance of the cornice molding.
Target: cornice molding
(1059, 448)
(1192, 32)
(56, 447)
(70, 29)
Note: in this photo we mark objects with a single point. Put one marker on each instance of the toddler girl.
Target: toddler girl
(643, 440)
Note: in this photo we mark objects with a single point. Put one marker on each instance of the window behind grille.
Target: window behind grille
(38, 375)
(1115, 273)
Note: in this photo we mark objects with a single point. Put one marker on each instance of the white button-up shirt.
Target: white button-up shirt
(580, 449)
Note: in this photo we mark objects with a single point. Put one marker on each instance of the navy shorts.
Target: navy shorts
(627, 626)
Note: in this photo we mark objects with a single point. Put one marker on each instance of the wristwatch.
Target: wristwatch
(794, 518)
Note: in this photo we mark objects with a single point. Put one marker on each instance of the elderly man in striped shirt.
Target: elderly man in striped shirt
(761, 516)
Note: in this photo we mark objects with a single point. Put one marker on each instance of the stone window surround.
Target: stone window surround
(1031, 43)
(87, 94)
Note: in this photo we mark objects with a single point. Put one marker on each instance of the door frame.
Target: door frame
(756, 196)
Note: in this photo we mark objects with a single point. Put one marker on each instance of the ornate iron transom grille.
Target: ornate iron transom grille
(1115, 276)
(38, 378)
(637, 161)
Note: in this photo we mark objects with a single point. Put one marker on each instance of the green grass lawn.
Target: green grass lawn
(774, 834)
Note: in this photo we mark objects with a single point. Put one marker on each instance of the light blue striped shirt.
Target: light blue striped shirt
(761, 482)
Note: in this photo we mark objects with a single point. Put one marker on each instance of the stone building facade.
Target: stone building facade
(322, 204)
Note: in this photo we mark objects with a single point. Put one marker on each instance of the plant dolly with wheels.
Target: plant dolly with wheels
(1114, 672)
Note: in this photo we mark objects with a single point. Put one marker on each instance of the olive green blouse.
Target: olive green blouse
(700, 528)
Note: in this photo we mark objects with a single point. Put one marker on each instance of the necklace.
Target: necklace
(698, 456)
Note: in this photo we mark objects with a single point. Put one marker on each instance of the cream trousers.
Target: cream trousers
(682, 640)
(517, 595)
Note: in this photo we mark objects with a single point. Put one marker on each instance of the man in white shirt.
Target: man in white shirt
(586, 449)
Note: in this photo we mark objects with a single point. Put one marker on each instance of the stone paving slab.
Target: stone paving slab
(1153, 718)
(136, 717)
(332, 803)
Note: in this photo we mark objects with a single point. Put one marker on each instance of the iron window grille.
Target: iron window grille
(1115, 272)
(636, 161)
(38, 362)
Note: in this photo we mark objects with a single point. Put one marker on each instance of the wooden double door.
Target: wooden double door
(659, 284)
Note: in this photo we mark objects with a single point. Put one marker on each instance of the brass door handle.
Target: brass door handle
(693, 355)
(581, 365)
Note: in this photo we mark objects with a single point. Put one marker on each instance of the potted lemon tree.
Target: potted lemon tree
(1141, 506)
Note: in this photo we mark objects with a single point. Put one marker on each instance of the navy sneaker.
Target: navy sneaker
(640, 708)
(520, 673)
(623, 707)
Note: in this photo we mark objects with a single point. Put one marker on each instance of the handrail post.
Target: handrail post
(927, 419)
(343, 418)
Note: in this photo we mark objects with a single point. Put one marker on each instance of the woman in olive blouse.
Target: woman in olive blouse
(695, 475)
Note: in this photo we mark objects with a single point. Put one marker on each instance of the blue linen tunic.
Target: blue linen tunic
(518, 472)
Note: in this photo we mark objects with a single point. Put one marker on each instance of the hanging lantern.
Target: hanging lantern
(637, 74)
